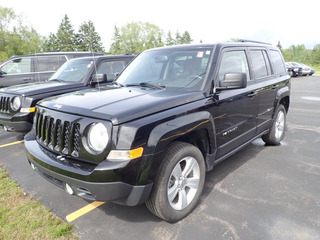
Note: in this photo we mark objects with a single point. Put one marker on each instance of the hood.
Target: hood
(119, 105)
(31, 89)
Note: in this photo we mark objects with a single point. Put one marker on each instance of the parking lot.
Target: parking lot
(262, 192)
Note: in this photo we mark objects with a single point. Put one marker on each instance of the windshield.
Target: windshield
(169, 68)
(73, 70)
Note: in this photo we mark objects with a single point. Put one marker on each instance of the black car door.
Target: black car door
(235, 111)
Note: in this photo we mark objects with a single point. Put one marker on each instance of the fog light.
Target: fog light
(68, 189)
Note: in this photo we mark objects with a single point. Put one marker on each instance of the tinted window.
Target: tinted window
(49, 63)
(17, 66)
(278, 64)
(233, 62)
(260, 66)
(111, 68)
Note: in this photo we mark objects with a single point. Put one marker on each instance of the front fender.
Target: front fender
(167, 132)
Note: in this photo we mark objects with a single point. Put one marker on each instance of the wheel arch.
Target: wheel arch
(195, 128)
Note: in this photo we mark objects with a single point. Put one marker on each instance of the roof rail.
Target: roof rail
(246, 40)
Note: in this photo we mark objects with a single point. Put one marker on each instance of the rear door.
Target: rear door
(17, 71)
(268, 78)
(235, 112)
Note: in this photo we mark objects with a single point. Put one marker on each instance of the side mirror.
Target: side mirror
(233, 81)
(99, 78)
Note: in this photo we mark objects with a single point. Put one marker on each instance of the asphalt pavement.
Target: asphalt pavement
(262, 192)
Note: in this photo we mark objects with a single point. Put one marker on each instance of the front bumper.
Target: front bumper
(19, 122)
(94, 182)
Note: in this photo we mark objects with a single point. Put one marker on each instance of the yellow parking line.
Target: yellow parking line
(83, 210)
(9, 144)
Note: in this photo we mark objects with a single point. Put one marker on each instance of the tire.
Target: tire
(277, 130)
(179, 183)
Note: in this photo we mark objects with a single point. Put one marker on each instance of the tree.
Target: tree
(185, 38)
(66, 38)
(16, 38)
(50, 44)
(170, 40)
(296, 53)
(315, 55)
(88, 39)
(136, 37)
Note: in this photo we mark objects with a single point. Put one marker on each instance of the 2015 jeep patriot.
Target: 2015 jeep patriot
(172, 114)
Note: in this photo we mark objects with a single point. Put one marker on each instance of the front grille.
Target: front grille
(4, 104)
(58, 135)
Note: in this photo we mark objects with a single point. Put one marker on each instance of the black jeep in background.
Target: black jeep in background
(171, 115)
(17, 103)
(35, 67)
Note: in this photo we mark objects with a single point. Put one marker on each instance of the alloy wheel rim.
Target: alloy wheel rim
(279, 128)
(183, 183)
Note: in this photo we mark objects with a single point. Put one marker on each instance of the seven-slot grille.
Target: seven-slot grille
(58, 135)
(4, 104)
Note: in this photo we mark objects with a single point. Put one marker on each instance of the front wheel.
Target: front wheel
(179, 183)
(276, 132)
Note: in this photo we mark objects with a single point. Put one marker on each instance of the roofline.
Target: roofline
(243, 43)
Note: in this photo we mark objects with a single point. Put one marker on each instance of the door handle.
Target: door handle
(252, 94)
(26, 79)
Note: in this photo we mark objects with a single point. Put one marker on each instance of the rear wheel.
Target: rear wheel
(276, 133)
(179, 183)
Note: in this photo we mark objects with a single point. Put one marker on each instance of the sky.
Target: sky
(290, 22)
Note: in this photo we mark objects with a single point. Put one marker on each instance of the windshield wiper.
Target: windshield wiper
(146, 84)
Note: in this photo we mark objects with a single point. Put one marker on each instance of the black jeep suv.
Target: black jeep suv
(172, 114)
(17, 103)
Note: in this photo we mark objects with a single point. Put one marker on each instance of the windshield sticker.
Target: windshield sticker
(200, 55)
(207, 52)
(89, 65)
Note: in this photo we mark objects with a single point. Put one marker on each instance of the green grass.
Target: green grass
(22, 217)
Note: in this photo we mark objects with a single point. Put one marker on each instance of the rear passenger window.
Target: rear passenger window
(50, 63)
(234, 62)
(278, 63)
(261, 64)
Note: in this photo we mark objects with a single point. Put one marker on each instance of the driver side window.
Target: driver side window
(233, 62)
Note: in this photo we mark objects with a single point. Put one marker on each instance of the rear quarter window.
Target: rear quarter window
(278, 64)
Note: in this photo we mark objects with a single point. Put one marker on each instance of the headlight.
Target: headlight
(98, 137)
(15, 103)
